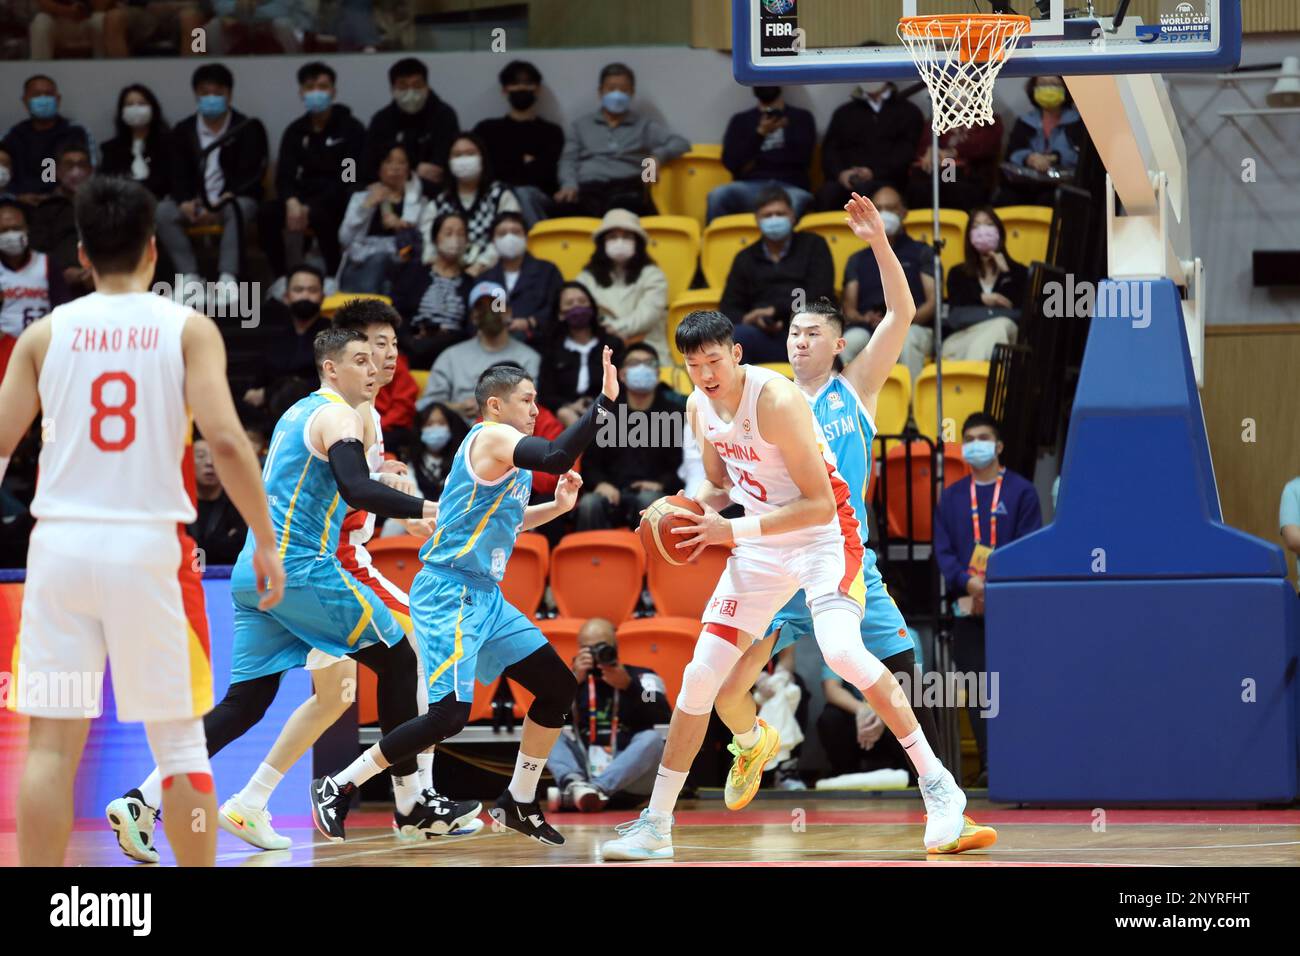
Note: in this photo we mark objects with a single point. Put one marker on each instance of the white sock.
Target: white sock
(152, 789)
(359, 771)
(406, 790)
(260, 786)
(528, 770)
(922, 757)
(425, 762)
(668, 784)
(749, 737)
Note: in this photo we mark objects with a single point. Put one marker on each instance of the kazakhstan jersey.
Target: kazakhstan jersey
(849, 431)
(478, 521)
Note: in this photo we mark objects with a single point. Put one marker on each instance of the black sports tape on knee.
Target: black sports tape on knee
(544, 674)
(444, 719)
(243, 706)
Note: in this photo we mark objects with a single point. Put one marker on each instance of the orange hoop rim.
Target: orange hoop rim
(977, 24)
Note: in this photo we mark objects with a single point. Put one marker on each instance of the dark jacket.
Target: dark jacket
(916, 258)
(1064, 143)
(411, 279)
(744, 155)
(219, 530)
(1019, 514)
(622, 466)
(243, 158)
(559, 384)
(427, 136)
(310, 164)
(755, 281)
(118, 157)
(52, 229)
(964, 287)
(535, 293)
(29, 147)
(640, 707)
(884, 141)
(508, 141)
(285, 354)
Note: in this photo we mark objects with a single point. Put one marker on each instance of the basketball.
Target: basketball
(656, 528)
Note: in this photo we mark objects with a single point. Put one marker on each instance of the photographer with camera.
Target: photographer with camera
(769, 145)
(613, 743)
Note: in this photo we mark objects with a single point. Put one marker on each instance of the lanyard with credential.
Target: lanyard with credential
(993, 512)
(591, 716)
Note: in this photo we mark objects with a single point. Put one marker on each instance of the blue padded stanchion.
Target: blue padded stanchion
(1146, 652)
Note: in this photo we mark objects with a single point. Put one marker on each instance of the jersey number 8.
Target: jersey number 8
(103, 412)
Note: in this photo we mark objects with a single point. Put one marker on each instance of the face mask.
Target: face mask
(13, 242)
(435, 437)
(521, 99)
(1050, 97)
(892, 222)
(642, 378)
(491, 322)
(620, 250)
(985, 238)
(317, 101)
(137, 115)
(869, 89)
(616, 101)
(979, 454)
(579, 317)
(4, 176)
(43, 107)
(511, 245)
(775, 228)
(451, 248)
(466, 167)
(75, 177)
(410, 101)
(303, 309)
(212, 105)
(767, 94)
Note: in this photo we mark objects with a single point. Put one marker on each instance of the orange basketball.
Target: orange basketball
(656, 528)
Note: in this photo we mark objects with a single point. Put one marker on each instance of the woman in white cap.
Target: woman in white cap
(631, 292)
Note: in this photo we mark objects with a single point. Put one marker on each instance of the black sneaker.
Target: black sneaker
(329, 806)
(433, 816)
(527, 819)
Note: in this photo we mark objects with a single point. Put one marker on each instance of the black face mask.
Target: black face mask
(521, 99)
(304, 309)
(767, 94)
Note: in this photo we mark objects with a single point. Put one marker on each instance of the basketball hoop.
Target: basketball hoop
(959, 57)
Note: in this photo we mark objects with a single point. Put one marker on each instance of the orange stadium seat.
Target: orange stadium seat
(525, 579)
(562, 632)
(598, 574)
(397, 558)
(481, 708)
(896, 479)
(684, 591)
(663, 644)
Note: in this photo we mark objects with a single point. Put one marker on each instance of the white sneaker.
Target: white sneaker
(584, 797)
(133, 822)
(944, 805)
(251, 825)
(648, 837)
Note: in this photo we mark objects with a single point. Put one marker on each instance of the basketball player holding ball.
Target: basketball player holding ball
(762, 449)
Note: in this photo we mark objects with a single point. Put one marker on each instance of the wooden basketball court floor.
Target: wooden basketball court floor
(793, 830)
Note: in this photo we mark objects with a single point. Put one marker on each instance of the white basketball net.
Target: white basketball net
(959, 59)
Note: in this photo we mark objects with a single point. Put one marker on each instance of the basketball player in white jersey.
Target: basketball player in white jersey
(763, 449)
(116, 375)
(28, 286)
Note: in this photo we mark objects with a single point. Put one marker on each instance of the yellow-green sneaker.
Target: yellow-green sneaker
(747, 769)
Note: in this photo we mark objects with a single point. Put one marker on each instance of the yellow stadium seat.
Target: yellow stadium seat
(565, 241)
(695, 300)
(832, 227)
(682, 185)
(336, 301)
(421, 376)
(675, 247)
(1028, 231)
(783, 367)
(964, 385)
(892, 402)
(919, 224)
(723, 238)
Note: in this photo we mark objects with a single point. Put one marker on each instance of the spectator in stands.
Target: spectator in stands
(1289, 519)
(985, 292)
(631, 292)
(602, 165)
(1005, 507)
(1043, 151)
(292, 325)
(52, 225)
(769, 145)
(572, 355)
(6, 171)
(258, 26)
(864, 294)
(218, 531)
(871, 142)
(231, 176)
(534, 284)
(310, 193)
(416, 119)
(431, 298)
(525, 148)
(968, 156)
(29, 284)
(620, 481)
(612, 744)
(441, 431)
(142, 148)
(64, 27)
(767, 277)
(380, 227)
(36, 139)
(140, 24)
(472, 192)
(456, 371)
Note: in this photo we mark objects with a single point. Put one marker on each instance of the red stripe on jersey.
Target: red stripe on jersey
(370, 580)
(347, 553)
(725, 631)
(853, 550)
(191, 582)
(7, 343)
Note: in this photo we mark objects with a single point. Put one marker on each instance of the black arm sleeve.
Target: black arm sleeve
(360, 491)
(557, 455)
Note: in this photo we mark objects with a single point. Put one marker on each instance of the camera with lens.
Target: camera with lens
(602, 653)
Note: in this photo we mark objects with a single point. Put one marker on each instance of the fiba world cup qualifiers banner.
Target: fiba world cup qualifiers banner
(779, 22)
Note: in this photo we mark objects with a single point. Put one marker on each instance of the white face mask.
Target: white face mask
(452, 248)
(870, 89)
(466, 167)
(511, 245)
(620, 250)
(136, 115)
(892, 222)
(13, 242)
(4, 176)
(410, 101)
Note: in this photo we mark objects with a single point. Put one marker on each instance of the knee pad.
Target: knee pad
(714, 658)
(839, 635)
(444, 719)
(544, 675)
(179, 746)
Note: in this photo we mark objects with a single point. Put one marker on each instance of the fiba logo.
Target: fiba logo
(1185, 10)
(778, 7)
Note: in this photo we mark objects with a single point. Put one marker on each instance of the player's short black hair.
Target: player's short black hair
(309, 71)
(498, 381)
(641, 347)
(976, 419)
(115, 221)
(407, 66)
(213, 73)
(827, 310)
(616, 69)
(330, 343)
(770, 195)
(517, 71)
(361, 314)
(700, 329)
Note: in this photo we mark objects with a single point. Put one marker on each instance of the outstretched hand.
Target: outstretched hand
(864, 219)
(611, 374)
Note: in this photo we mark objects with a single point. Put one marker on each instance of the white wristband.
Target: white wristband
(746, 527)
(4, 466)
